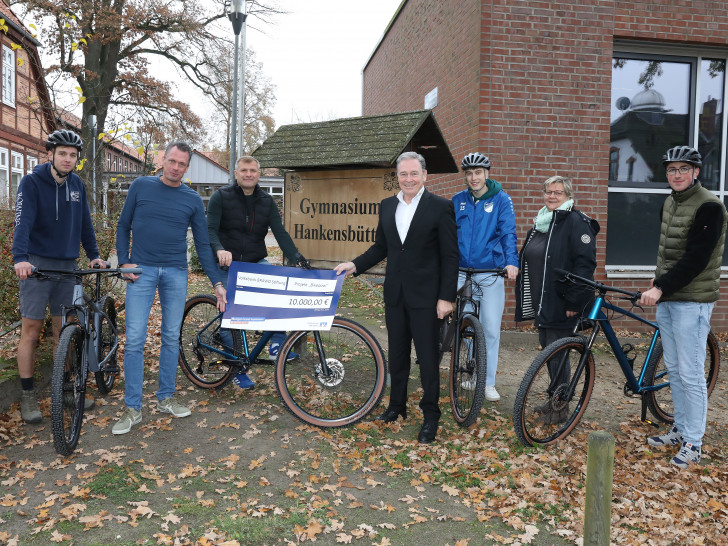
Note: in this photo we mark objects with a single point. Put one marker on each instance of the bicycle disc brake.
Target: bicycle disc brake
(558, 400)
(335, 375)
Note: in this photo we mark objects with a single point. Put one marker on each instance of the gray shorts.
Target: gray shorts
(36, 294)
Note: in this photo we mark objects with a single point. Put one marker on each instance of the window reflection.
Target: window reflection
(650, 113)
(710, 119)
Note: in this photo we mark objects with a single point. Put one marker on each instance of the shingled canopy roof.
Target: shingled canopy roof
(368, 141)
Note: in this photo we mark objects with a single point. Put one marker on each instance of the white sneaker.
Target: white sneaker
(170, 405)
(469, 384)
(688, 454)
(491, 394)
(128, 419)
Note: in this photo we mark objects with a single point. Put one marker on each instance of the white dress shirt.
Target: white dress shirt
(405, 212)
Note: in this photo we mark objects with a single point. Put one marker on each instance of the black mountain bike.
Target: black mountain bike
(88, 343)
(462, 334)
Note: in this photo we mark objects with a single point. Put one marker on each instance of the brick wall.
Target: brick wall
(528, 82)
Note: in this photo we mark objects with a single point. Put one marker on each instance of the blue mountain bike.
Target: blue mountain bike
(556, 389)
(337, 379)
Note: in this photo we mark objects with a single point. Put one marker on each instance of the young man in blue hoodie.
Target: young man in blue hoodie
(486, 240)
(52, 220)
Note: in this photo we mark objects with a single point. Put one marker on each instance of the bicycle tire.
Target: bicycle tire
(659, 401)
(352, 390)
(204, 368)
(68, 390)
(541, 417)
(107, 339)
(467, 374)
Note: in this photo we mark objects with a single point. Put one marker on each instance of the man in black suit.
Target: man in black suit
(418, 236)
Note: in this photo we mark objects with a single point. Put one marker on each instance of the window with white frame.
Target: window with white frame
(659, 101)
(32, 163)
(8, 80)
(16, 172)
(6, 199)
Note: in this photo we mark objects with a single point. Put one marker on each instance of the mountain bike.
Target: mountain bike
(337, 379)
(88, 343)
(556, 388)
(462, 334)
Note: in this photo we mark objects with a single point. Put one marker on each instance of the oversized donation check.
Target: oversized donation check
(268, 297)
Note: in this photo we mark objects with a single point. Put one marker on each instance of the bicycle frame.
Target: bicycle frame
(464, 297)
(601, 322)
(88, 312)
(248, 357)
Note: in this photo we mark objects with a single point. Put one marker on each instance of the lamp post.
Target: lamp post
(241, 98)
(237, 16)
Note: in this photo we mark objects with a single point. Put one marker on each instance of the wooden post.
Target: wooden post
(598, 502)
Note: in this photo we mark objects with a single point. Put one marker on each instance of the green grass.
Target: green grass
(120, 483)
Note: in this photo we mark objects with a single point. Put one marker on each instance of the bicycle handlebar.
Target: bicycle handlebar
(78, 272)
(603, 288)
(471, 270)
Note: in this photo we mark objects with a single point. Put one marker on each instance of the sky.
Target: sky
(314, 55)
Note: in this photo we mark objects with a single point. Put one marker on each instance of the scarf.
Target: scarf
(544, 216)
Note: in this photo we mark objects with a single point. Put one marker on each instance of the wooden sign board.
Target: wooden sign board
(332, 216)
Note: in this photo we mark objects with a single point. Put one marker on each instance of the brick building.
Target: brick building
(23, 122)
(595, 91)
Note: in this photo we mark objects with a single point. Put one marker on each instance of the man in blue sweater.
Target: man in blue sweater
(486, 240)
(157, 213)
(52, 220)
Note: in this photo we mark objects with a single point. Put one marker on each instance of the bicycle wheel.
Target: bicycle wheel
(201, 329)
(541, 413)
(467, 371)
(660, 401)
(68, 390)
(106, 377)
(353, 386)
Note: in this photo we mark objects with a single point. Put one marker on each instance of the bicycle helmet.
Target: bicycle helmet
(63, 137)
(475, 160)
(686, 154)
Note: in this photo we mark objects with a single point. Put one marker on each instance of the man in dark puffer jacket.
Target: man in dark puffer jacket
(238, 218)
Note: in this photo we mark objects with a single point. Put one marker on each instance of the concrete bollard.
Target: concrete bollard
(598, 502)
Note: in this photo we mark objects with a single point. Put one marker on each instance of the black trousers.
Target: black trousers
(546, 336)
(422, 326)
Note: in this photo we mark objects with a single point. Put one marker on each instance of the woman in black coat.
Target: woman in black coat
(561, 238)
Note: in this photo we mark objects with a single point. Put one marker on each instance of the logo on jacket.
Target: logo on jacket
(76, 196)
(462, 206)
(585, 239)
(488, 207)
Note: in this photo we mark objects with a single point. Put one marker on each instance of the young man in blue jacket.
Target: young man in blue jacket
(486, 240)
(52, 221)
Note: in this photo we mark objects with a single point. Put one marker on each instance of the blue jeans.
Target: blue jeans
(172, 285)
(684, 327)
(492, 299)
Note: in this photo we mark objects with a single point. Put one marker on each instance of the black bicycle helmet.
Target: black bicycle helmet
(475, 160)
(686, 154)
(62, 137)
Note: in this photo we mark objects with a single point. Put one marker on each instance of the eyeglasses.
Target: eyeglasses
(554, 193)
(672, 171)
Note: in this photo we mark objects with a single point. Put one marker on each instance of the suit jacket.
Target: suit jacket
(424, 267)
